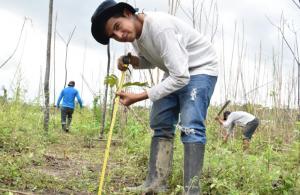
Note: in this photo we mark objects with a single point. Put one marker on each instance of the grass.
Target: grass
(59, 163)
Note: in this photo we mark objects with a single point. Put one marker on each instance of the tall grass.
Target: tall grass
(270, 167)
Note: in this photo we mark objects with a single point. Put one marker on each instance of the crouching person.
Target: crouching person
(242, 119)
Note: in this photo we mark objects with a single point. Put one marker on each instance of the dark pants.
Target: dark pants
(250, 128)
(66, 117)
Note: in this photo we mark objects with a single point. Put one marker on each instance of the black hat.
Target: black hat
(71, 84)
(106, 10)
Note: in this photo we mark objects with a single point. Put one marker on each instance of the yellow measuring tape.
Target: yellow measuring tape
(106, 155)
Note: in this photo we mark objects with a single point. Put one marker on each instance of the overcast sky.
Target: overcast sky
(31, 54)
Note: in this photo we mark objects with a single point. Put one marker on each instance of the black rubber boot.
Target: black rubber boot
(193, 163)
(159, 169)
(64, 127)
(68, 124)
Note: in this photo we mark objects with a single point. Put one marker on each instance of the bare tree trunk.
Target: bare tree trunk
(224, 69)
(215, 23)
(66, 68)
(47, 73)
(238, 70)
(40, 91)
(13, 53)
(83, 63)
(241, 58)
(66, 54)
(18, 73)
(88, 86)
(230, 91)
(293, 85)
(257, 75)
(54, 71)
(295, 55)
(105, 94)
(296, 3)
(173, 6)
(111, 91)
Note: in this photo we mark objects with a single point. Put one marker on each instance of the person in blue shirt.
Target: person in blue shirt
(68, 95)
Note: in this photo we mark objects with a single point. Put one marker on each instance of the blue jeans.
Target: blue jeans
(190, 103)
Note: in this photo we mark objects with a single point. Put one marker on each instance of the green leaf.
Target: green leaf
(111, 80)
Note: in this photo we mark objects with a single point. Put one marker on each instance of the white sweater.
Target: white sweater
(176, 48)
(238, 118)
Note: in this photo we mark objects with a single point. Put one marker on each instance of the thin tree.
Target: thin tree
(223, 62)
(19, 39)
(40, 93)
(173, 6)
(230, 91)
(66, 54)
(295, 54)
(297, 3)
(240, 57)
(88, 86)
(54, 71)
(47, 73)
(83, 63)
(18, 73)
(105, 95)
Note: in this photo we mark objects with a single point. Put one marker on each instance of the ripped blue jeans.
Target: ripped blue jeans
(189, 104)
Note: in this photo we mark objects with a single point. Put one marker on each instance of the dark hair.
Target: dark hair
(106, 10)
(117, 14)
(226, 114)
(71, 84)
